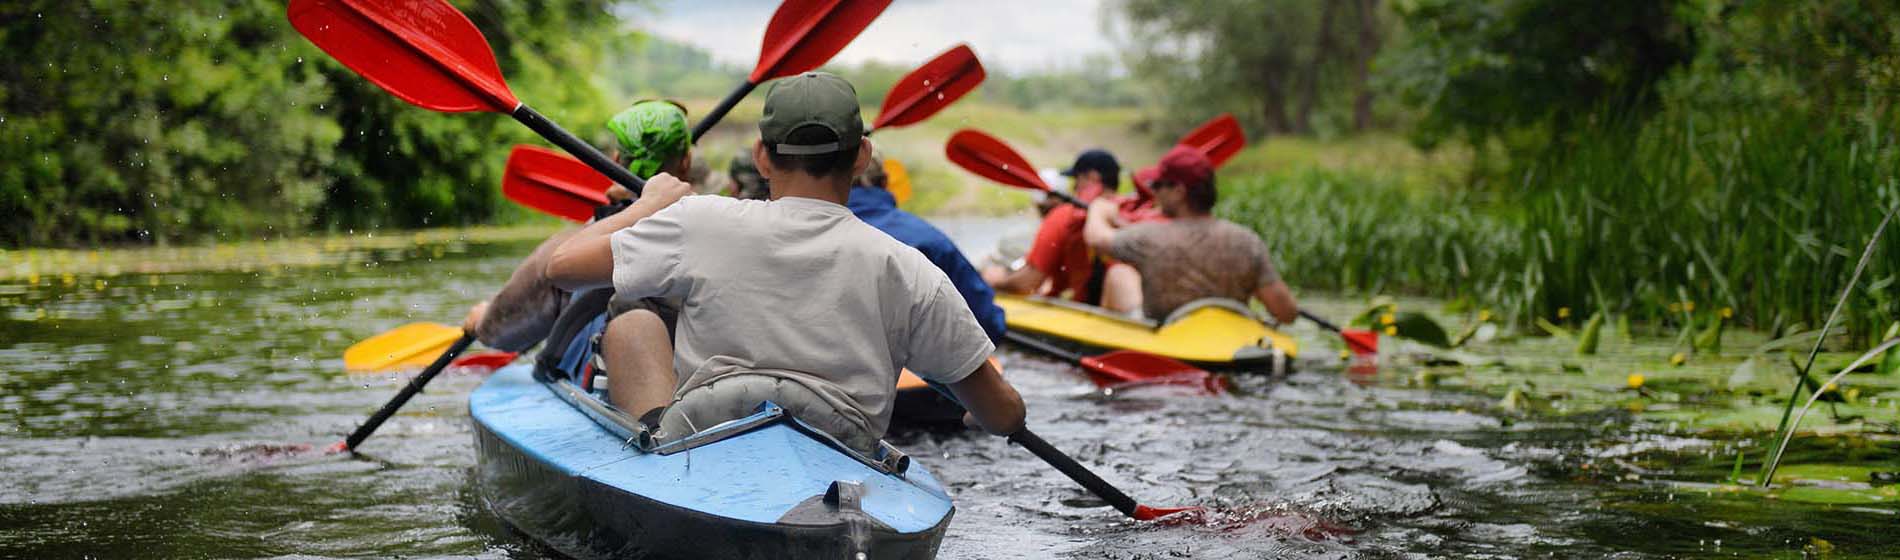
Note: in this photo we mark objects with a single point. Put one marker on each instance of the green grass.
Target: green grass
(1667, 222)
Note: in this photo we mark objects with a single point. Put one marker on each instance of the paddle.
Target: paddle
(559, 185)
(803, 34)
(553, 183)
(990, 158)
(1360, 341)
(427, 53)
(1220, 138)
(1078, 473)
(402, 397)
(1126, 368)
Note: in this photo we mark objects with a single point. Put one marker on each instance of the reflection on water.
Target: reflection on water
(140, 418)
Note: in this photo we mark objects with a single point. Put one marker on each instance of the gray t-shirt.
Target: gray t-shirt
(1184, 260)
(800, 289)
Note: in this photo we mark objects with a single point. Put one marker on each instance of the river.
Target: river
(140, 415)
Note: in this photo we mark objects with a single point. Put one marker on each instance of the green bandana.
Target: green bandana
(651, 133)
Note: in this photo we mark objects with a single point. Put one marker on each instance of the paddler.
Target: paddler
(1061, 258)
(872, 202)
(651, 137)
(791, 300)
(1192, 255)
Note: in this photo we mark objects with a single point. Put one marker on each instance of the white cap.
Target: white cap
(1053, 177)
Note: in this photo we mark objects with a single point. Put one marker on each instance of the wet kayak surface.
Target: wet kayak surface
(157, 416)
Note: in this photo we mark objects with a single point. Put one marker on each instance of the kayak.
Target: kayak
(918, 405)
(1217, 333)
(559, 464)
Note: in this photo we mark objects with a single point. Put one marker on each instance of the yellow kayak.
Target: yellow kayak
(1213, 334)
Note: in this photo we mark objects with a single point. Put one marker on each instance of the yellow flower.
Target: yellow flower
(1345, 354)
(1392, 330)
(1678, 359)
(33, 279)
(1688, 306)
(1563, 313)
(1388, 319)
(1635, 381)
(1727, 312)
(1484, 315)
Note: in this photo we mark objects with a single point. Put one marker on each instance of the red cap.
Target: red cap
(1185, 165)
(1142, 180)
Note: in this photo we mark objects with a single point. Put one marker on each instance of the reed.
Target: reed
(1666, 220)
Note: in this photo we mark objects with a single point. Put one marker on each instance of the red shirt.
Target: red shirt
(1060, 253)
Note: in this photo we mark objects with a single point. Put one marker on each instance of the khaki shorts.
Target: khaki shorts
(738, 396)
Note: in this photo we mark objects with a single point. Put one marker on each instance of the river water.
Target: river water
(140, 417)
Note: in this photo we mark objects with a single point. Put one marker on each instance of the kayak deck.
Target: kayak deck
(764, 489)
(1209, 336)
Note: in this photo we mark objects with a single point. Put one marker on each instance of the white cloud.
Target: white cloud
(1009, 35)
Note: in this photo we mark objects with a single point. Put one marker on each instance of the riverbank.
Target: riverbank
(35, 267)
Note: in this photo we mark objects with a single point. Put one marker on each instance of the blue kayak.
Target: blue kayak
(570, 471)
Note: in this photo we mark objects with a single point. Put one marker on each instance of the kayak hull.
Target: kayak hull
(1211, 336)
(769, 491)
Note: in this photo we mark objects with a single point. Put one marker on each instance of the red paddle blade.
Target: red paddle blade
(804, 34)
(1124, 369)
(554, 183)
(423, 51)
(930, 88)
(492, 359)
(1219, 138)
(1361, 341)
(990, 158)
(1146, 513)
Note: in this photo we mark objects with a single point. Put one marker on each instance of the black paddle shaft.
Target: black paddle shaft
(719, 112)
(1075, 471)
(415, 386)
(1043, 347)
(1324, 324)
(579, 148)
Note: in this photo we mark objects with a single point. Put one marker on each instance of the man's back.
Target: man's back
(801, 290)
(1188, 259)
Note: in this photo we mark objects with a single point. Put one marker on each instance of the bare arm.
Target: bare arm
(991, 401)
(1024, 280)
(586, 260)
(1099, 230)
(523, 311)
(1279, 301)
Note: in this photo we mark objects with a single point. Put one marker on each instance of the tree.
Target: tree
(1277, 64)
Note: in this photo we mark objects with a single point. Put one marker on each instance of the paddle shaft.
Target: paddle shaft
(1324, 324)
(725, 106)
(579, 148)
(1043, 347)
(1075, 471)
(408, 391)
(1062, 462)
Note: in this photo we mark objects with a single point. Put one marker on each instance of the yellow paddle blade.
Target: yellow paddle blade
(907, 381)
(411, 345)
(897, 180)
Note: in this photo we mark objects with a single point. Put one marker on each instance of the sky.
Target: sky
(1010, 35)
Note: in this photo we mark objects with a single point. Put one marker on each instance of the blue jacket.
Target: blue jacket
(876, 207)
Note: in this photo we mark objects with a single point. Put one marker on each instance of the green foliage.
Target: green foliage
(1485, 69)
(164, 120)
(1278, 65)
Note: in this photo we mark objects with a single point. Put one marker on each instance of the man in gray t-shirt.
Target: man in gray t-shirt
(1192, 255)
(792, 300)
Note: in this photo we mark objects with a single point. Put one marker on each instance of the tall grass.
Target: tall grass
(1761, 212)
